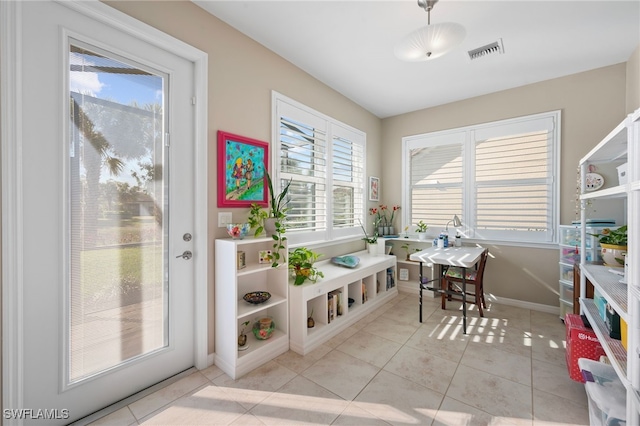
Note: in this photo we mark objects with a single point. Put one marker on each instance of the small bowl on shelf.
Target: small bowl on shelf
(257, 297)
(237, 231)
(263, 328)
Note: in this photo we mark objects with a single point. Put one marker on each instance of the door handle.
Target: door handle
(186, 255)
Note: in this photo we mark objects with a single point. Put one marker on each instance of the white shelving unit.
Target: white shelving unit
(375, 274)
(622, 144)
(231, 311)
(570, 248)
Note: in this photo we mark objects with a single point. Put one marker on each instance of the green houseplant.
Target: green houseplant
(301, 262)
(421, 229)
(257, 215)
(614, 237)
(613, 243)
(278, 212)
(272, 219)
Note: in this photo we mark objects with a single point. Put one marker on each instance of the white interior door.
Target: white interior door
(106, 239)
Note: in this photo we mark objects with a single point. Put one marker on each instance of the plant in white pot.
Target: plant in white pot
(421, 229)
(372, 241)
(613, 243)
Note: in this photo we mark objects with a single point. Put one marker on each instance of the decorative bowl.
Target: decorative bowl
(348, 261)
(263, 328)
(237, 230)
(257, 297)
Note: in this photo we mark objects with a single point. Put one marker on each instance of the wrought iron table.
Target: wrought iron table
(464, 257)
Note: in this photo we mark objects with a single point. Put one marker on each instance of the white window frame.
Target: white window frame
(282, 105)
(468, 136)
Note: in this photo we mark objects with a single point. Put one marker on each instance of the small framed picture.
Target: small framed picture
(374, 188)
(241, 260)
(264, 256)
(404, 274)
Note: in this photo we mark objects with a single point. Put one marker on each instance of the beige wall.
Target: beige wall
(633, 81)
(592, 103)
(242, 74)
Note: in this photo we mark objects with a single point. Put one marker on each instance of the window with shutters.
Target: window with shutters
(324, 161)
(499, 178)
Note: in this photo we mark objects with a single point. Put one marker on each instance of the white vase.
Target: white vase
(373, 249)
(422, 236)
(270, 226)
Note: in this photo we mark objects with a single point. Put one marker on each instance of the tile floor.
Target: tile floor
(390, 369)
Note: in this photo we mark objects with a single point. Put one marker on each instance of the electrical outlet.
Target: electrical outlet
(224, 218)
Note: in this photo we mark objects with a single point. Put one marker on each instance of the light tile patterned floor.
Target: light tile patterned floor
(390, 369)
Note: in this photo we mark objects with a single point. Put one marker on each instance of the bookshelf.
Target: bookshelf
(370, 284)
(231, 311)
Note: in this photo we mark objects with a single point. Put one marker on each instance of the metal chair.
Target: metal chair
(452, 284)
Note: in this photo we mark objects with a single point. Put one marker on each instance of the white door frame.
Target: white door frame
(12, 171)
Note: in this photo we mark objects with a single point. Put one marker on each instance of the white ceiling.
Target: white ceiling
(348, 44)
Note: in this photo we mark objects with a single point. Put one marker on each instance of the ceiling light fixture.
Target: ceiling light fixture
(429, 42)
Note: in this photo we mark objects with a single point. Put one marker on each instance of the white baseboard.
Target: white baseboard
(412, 288)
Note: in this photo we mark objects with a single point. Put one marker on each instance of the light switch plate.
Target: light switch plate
(224, 218)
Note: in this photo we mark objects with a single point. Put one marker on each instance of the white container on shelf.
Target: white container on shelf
(605, 393)
(622, 174)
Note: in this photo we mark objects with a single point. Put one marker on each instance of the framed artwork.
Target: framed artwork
(374, 188)
(242, 171)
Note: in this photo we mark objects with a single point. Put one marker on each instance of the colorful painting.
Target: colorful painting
(242, 171)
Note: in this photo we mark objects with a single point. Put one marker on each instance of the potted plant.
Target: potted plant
(372, 241)
(407, 249)
(421, 229)
(301, 262)
(272, 220)
(310, 321)
(242, 338)
(277, 213)
(613, 243)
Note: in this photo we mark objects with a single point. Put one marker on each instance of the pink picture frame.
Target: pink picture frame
(242, 171)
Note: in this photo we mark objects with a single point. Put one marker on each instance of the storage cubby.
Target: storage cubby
(366, 284)
(231, 310)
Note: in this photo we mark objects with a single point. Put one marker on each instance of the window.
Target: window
(324, 160)
(497, 177)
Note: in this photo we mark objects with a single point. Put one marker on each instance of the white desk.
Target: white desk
(464, 257)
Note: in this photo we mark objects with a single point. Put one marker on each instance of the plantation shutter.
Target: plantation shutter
(497, 177)
(436, 179)
(303, 153)
(324, 160)
(514, 180)
(347, 187)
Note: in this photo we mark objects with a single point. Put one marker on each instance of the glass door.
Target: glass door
(118, 216)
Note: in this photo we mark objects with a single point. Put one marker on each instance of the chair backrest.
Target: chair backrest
(481, 264)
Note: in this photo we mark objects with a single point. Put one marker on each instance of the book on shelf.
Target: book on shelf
(390, 280)
(364, 293)
(334, 306)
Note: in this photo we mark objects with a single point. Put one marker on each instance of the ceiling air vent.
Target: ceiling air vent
(490, 49)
